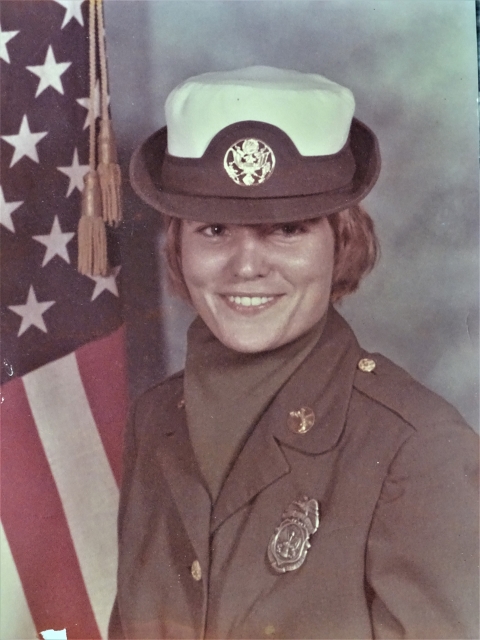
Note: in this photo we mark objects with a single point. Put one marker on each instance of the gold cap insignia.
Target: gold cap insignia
(249, 162)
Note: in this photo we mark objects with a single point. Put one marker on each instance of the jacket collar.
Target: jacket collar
(322, 383)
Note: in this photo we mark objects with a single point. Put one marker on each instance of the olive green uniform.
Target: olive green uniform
(393, 468)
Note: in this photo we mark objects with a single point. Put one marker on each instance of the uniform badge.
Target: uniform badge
(290, 542)
(249, 162)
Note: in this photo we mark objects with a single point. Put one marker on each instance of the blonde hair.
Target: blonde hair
(355, 254)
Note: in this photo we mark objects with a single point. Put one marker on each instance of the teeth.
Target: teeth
(246, 301)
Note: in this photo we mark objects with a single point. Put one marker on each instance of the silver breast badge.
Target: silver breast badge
(290, 542)
(249, 162)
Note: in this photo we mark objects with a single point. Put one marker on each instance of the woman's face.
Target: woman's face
(258, 287)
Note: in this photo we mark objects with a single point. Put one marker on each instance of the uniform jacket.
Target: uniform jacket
(393, 468)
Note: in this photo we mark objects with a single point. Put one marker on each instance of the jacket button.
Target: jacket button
(366, 365)
(196, 570)
(301, 421)
(180, 404)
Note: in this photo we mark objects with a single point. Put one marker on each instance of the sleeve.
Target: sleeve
(115, 631)
(422, 553)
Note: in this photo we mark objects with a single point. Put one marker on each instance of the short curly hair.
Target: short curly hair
(355, 254)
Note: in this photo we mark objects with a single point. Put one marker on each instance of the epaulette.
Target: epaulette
(391, 386)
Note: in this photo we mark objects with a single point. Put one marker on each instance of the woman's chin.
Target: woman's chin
(251, 340)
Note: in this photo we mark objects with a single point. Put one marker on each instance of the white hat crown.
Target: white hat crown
(313, 111)
(257, 145)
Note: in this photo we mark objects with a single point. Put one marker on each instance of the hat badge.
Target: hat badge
(249, 162)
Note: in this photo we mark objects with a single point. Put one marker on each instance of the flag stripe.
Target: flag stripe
(82, 474)
(15, 619)
(102, 368)
(36, 527)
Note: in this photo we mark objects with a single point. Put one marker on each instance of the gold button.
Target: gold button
(269, 630)
(181, 403)
(302, 420)
(196, 570)
(366, 365)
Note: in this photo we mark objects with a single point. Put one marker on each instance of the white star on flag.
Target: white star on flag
(85, 103)
(31, 312)
(49, 73)
(108, 283)
(6, 210)
(73, 10)
(75, 172)
(6, 36)
(56, 243)
(25, 142)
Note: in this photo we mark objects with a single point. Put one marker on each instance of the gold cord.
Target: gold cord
(93, 79)
(103, 60)
(92, 239)
(108, 168)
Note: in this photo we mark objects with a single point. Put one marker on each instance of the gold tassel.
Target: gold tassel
(92, 237)
(109, 173)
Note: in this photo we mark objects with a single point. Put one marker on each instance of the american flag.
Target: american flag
(63, 396)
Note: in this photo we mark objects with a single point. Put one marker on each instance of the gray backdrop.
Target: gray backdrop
(412, 68)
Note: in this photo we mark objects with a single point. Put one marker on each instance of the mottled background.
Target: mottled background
(412, 68)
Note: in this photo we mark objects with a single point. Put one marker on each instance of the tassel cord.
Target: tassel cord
(108, 168)
(92, 239)
(103, 60)
(92, 78)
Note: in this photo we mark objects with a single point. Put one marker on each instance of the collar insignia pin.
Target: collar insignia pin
(301, 421)
(249, 162)
(290, 542)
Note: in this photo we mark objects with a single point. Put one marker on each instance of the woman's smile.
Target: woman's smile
(250, 301)
(250, 304)
(258, 287)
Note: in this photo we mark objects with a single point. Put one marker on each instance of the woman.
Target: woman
(286, 484)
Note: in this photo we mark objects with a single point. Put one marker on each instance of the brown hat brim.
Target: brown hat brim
(146, 160)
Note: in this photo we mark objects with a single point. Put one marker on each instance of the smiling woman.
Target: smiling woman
(355, 251)
(258, 287)
(286, 484)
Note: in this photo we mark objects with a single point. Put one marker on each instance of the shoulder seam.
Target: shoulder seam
(386, 406)
(173, 376)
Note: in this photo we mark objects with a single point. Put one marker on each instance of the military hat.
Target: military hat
(257, 145)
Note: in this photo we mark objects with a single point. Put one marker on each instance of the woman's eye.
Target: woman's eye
(213, 230)
(290, 229)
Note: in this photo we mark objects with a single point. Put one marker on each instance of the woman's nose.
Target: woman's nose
(249, 258)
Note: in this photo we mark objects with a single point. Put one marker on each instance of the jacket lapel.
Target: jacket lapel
(180, 470)
(322, 383)
(260, 463)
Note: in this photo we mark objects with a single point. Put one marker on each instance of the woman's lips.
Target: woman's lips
(249, 304)
(250, 301)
